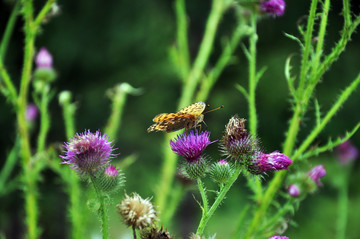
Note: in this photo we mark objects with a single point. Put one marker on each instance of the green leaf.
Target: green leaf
(290, 79)
(242, 90)
(317, 112)
(259, 74)
(292, 37)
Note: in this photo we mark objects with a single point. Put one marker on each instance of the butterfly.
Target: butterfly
(189, 117)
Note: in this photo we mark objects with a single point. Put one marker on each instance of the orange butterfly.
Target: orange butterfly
(188, 117)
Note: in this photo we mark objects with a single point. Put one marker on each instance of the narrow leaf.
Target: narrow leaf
(242, 90)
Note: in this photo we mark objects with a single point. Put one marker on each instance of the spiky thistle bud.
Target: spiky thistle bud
(273, 7)
(44, 72)
(237, 143)
(110, 179)
(221, 171)
(346, 153)
(137, 212)
(294, 190)
(87, 153)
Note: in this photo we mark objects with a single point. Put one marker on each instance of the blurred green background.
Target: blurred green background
(97, 45)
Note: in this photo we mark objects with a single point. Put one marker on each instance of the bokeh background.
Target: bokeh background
(97, 45)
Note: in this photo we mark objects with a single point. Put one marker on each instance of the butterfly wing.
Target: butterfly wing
(194, 109)
(172, 122)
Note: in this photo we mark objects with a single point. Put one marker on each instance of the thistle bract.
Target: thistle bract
(110, 179)
(221, 171)
(87, 153)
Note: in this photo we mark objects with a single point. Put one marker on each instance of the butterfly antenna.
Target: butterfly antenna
(214, 109)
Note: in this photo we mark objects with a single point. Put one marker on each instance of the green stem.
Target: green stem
(220, 197)
(44, 121)
(68, 113)
(205, 206)
(102, 210)
(176, 196)
(8, 166)
(118, 103)
(307, 48)
(9, 30)
(217, 10)
(182, 37)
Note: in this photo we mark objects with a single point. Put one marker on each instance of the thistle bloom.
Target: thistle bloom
(136, 211)
(191, 145)
(347, 152)
(44, 59)
(274, 161)
(293, 190)
(88, 152)
(32, 112)
(316, 173)
(111, 171)
(273, 7)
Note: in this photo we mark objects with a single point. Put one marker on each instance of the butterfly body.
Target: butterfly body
(188, 117)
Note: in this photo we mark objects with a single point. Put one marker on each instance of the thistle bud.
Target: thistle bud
(274, 161)
(346, 153)
(294, 190)
(137, 212)
(273, 7)
(316, 173)
(44, 72)
(221, 171)
(110, 179)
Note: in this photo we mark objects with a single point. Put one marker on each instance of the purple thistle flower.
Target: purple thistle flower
(88, 152)
(191, 145)
(346, 153)
(273, 7)
(43, 59)
(293, 190)
(32, 112)
(274, 161)
(316, 173)
(111, 171)
(278, 237)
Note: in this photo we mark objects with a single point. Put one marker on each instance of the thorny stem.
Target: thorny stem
(220, 197)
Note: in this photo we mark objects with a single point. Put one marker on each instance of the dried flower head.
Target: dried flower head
(154, 233)
(191, 145)
(346, 153)
(273, 7)
(87, 152)
(294, 190)
(237, 143)
(274, 161)
(44, 59)
(137, 212)
(316, 173)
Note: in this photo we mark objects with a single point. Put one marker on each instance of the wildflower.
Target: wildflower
(278, 237)
(137, 212)
(293, 190)
(316, 173)
(221, 171)
(191, 145)
(236, 143)
(88, 152)
(274, 161)
(273, 7)
(43, 59)
(346, 153)
(32, 112)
